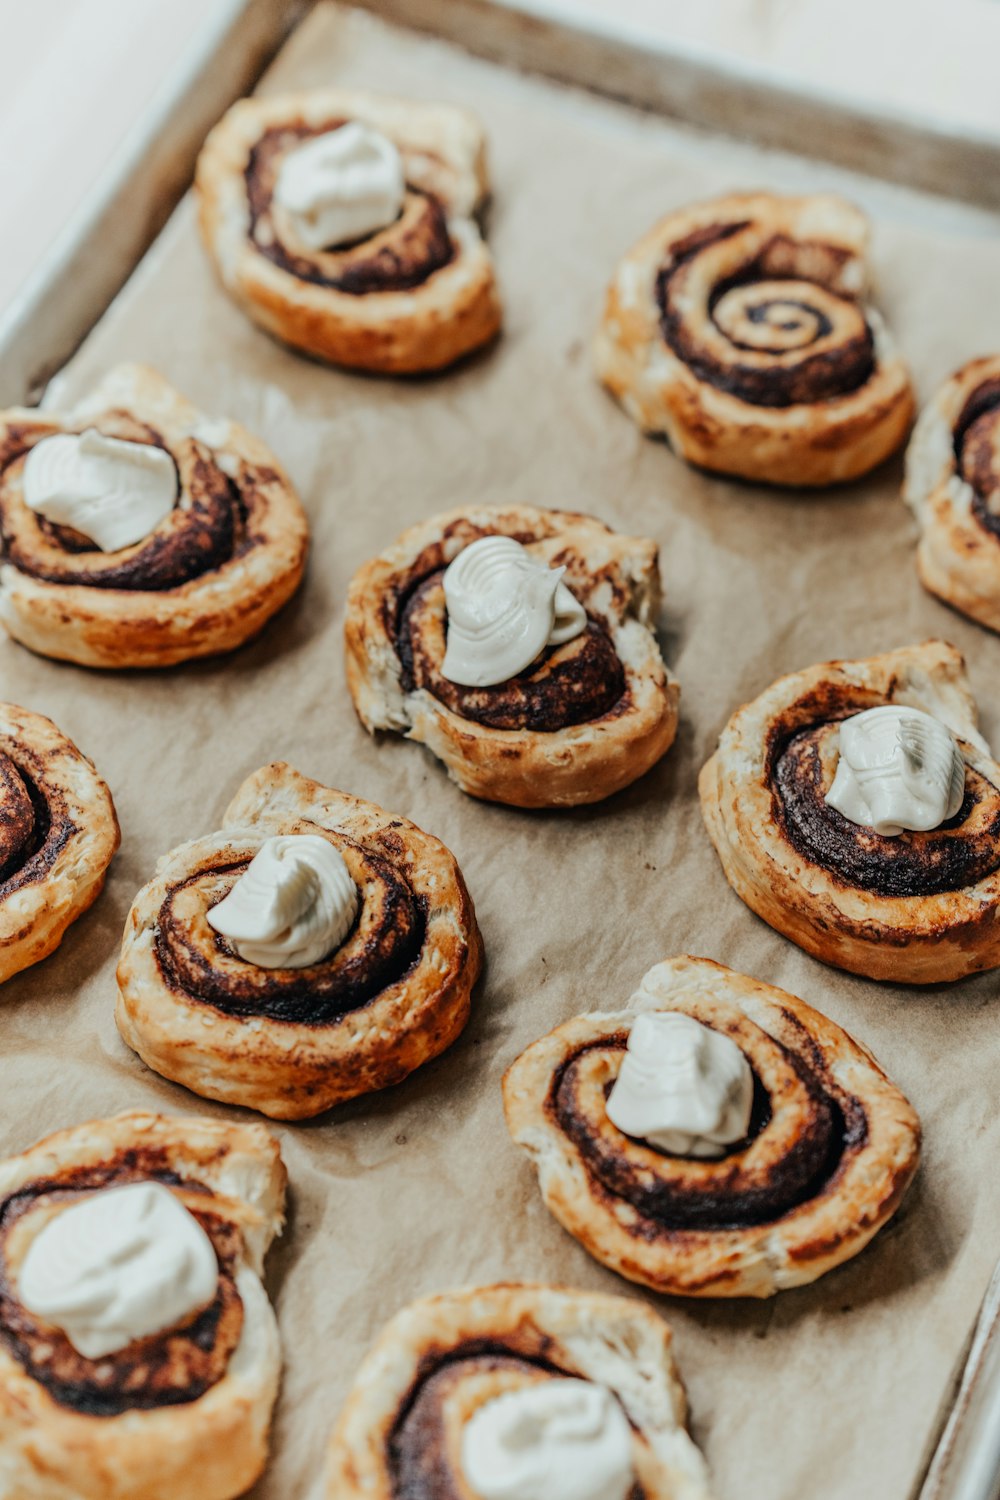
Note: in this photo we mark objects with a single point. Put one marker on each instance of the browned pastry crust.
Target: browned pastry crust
(739, 329)
(414, 296)
(953, 487)
(206, 579)
(179, 1415)
(294, 1042)
(440, 1359)
(831, 1149)
(58, 833)
(917, 909)
(583, 721)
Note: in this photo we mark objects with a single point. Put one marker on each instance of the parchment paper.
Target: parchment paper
(827, 1392)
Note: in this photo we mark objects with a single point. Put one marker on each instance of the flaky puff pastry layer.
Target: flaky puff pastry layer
(958, 557)
(55, 866)
(214, 608)
(211, 1448)
(713, 360)
(426, 326)
(911, 938)
(530, 1333)
(617, 580)
(813, 1074)
(291, 1069)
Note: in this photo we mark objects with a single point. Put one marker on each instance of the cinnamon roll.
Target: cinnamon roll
(344, 223)
(139, 1356)
(136, 532)
(740, 329)
(753, 1146)
(953, 487)
(314, 949)
(856, 808)
(518, 645)
(58, 834)
(517, 1389)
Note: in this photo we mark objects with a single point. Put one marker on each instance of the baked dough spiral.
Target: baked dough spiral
(739, 328)
(830, 1151)
(294, 1042)
(442, 1358)
(953, 487)
(918, 908)
(207, 578)
(178, 1415)
(414, 296)
(58, 833)
(584, 720)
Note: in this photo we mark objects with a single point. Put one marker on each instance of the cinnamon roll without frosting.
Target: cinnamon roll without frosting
(740, 329)
(818, 1164)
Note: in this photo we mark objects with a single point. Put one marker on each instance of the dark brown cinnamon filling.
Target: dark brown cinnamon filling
(395, 259)
(576, 683)
(207, 531)
(166, 1369)
(977, 452)
(793, 375)
(33, 827)
(728, 1193)
(420, 1465)
(383, 945)
(953, 857)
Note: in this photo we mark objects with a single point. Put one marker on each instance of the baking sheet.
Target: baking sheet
(829, 1391)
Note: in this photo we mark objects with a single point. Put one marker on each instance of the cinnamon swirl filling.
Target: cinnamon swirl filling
(397, 258)
(169, 1368)
(384, 942)
(802, 1129)
(34, 821)
(575, 683)
(425, 1443)
(212, 523)
(977, 452)
(764, 318)
(958, 854)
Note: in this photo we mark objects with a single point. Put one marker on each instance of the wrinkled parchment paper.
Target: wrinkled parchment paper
(828, 1392)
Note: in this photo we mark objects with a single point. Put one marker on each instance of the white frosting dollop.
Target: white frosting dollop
(504, 608)
(341, 186)
(554, 1440)
(683, 1087)
(899, 768)
(294, 903)
(113, 491)
(122, 1264)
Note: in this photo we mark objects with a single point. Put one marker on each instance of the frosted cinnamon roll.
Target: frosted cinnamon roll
(136, 532)
(58, 833)
(953, 487)
(517, 1390)
(314, 949)
(344, 223)
(740, 329)
(139, 1356)
(856, 808)
(518, 645)
(715, 1137)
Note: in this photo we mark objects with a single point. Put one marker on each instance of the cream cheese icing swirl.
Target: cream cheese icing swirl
(292, 906)
(341, 186)
(504, 608)
(682, 1087)
(552, 1440)
(899, 769)
(109, 489)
